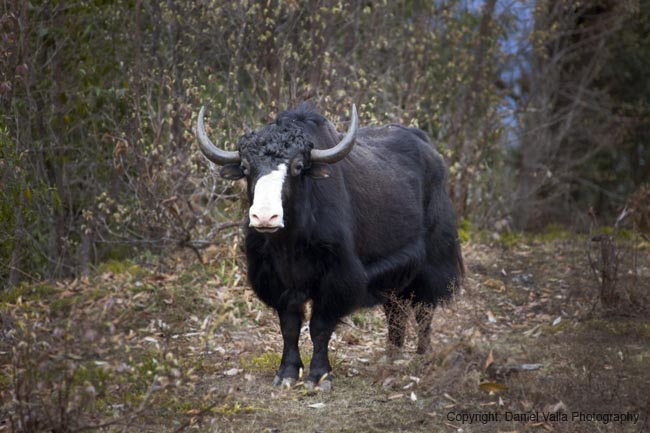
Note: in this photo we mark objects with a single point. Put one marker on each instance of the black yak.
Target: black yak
(345, 222)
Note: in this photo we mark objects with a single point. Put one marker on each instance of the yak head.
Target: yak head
(270, 157)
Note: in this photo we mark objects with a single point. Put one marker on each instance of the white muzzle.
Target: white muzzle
(266, 214)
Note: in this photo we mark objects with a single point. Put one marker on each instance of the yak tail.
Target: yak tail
(460, 268)
(460, 263)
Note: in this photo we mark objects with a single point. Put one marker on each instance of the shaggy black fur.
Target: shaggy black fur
(379, 229)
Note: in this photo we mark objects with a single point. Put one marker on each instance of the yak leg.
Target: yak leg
(320, 330)
(423, 317)
(291, 364)
(427, 290)
(396, 318)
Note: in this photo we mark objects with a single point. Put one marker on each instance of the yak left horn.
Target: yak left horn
(212, 152)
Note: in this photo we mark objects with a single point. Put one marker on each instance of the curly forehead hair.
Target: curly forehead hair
(282, 141)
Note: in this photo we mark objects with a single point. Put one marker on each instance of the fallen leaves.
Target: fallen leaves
(488, 361)
(212, 330)
(494, 284)
(492, 387)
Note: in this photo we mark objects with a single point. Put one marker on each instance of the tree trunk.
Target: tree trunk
(17, 253)
(466, 138)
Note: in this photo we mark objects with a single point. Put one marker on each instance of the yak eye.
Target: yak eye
(244, 169)
(296, 167)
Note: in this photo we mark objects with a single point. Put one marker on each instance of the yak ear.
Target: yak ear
(232, 171)
(319, 170)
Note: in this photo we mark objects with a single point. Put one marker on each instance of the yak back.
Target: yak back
(391, 177)
(388, 195)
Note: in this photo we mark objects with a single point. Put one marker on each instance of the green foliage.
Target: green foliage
(464, 229)
(121, 267)
(621, 327)
(26, 292)
(365, 319)
(268, 362)
(511, 238)
(235, 409)
(554, 232)
(20, 195)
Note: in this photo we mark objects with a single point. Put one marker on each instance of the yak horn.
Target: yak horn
(212, 152)
(344, 147)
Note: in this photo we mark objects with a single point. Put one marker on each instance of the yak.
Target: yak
(346, 222)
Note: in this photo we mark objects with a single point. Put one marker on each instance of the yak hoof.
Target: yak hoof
(323, 385)
(287, 382)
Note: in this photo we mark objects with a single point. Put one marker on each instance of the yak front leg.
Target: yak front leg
(320, 330)
(291, 364)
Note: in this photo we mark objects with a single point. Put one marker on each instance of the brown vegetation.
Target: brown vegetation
(172, 346)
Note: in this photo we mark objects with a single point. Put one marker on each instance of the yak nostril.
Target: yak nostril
(264, 220)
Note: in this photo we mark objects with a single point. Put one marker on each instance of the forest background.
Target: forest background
(540, 108)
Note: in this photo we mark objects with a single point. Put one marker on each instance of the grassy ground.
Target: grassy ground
(174, 346)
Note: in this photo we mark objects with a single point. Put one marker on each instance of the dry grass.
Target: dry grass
(177, 347)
